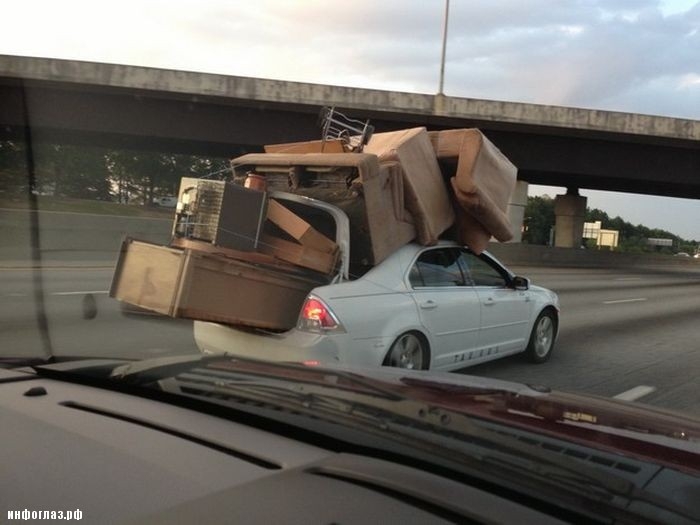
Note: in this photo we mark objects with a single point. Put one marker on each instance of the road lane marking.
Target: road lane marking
(81, 293)
(134, 217)
(628, 279)
(620, 301)
(635, 393)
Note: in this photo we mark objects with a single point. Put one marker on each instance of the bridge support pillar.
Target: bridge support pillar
(516, 209)
(569, 211)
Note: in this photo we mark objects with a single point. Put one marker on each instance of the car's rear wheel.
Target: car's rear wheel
(541, 343)
(408, 351)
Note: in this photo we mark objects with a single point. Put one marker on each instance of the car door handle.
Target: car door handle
(428, 305)
(489, 301)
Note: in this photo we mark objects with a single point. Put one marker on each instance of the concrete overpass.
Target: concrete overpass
(137, 107)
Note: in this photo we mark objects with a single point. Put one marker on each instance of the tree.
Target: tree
(142, 175)
(87, 172)
(72, 171)
(64, 170)
(594, 214)
(539, 220)
(13, 168)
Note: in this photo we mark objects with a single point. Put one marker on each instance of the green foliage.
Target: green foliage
(590, 244)
(84, 172)
(72, 171)
(539, 220)
(142, 176)
(13, 169)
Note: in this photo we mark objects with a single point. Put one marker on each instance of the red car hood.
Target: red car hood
(631, 429)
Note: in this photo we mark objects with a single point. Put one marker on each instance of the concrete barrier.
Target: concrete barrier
(80, 237)
(514, 254)
(75, 236)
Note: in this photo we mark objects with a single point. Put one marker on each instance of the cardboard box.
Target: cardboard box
(298, 228)
(299, 255)
(196, 285)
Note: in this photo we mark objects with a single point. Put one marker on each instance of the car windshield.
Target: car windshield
(501, 197)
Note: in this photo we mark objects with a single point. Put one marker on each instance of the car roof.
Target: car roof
(391, 271)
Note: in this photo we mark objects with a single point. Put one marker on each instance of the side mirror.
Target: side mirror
(521, 283)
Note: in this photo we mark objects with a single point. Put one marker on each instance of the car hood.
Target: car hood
(544, 291)
(631, 429)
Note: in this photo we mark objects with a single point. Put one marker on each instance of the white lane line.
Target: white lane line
(81, 293)
(635, 393)
(620, 301)
(628, 279)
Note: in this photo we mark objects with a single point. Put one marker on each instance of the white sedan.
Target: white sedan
(439, 307)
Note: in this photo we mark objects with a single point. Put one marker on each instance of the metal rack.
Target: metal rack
(354, 133)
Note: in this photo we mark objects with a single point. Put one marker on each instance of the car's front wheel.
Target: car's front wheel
(541, 343)
(408, 351)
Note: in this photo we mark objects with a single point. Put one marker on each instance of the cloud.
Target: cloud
(689, 81)
(605, 57)
(631, 55)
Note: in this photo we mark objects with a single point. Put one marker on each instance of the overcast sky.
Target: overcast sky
(641, 56)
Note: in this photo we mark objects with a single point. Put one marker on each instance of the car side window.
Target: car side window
(481, 272)
(438, 267)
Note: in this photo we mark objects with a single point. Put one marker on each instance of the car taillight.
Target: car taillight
(316, 316)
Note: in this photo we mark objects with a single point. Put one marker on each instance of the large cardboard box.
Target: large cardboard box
(198, 285)
(298, 228)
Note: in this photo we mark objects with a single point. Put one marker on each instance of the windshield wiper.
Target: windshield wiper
(153, 370)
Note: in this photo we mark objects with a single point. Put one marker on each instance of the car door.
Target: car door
(505, 311)
(448, 307)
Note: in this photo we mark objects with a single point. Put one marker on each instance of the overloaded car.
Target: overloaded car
(354, 255)
(438, 308)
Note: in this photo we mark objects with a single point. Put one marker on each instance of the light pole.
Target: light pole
(444, 48)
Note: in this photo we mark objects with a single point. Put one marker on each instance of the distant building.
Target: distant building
(660, 242)
(603, 238)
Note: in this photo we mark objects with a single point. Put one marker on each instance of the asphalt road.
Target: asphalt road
(622, 332)
(77, 325)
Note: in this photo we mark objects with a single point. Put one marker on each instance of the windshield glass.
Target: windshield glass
(500, 197)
